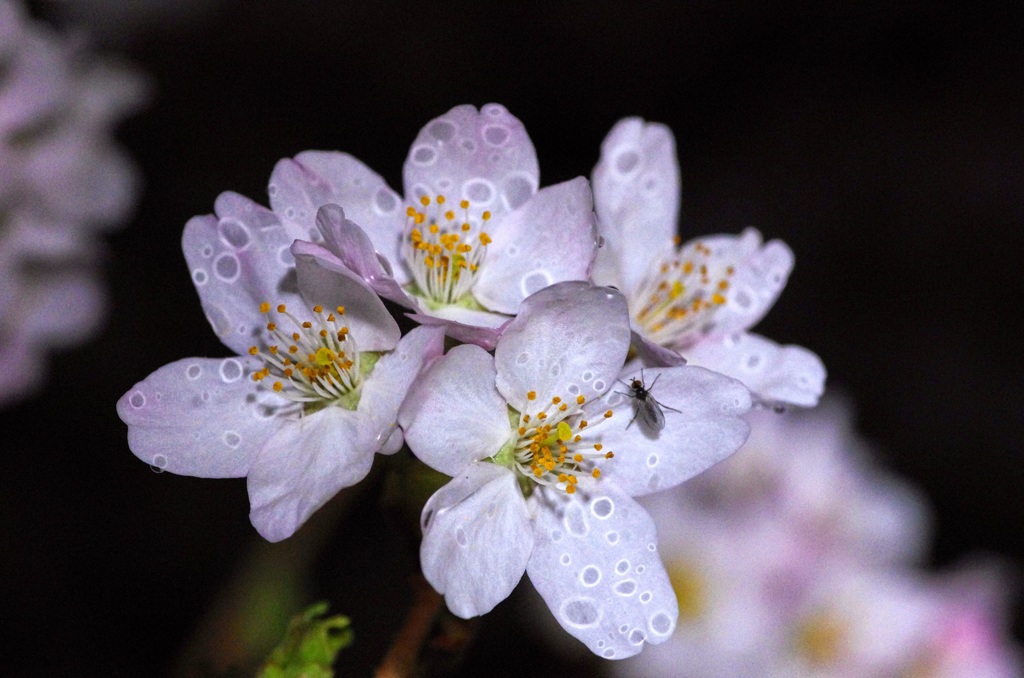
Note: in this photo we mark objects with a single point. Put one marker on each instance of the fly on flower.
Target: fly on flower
(650, 411)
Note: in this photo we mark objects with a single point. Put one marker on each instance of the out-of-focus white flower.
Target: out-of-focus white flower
(812, 473)
(700, 299)
(546, 459)
(63, 181)
(795, 558)
(314, 391)
(473, 236)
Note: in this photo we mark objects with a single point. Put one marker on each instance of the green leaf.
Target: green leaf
(309, 646)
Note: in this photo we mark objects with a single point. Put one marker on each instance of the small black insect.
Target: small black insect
(650, 411)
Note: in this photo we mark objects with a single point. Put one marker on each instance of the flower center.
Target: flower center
(555, 445)
(820, 638)
(444, 249)
(317, 363)
(677, 301)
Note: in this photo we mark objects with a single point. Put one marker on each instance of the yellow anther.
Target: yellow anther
(582, 424)
(542, 415)
(306, 325)
(264, 307)
(340, 310)
(425, 201)
(717, 298)
(596, 473)
(485, 239)
(271, 326)
(556, 400)
(564, 431)
(410, 211)
(434, 228)
(273, 350)
(293, 349)
(563, 407)
(278, 386)
(323, 333)
(440, 200)
(464, 204)
(598, 446)
(577, 458)
(253, 350)
(609, 455)
(486, 216)
(570, 489)
(281, 308)
(580, 400)
(449, 215)
(532, 395)
(607, 414)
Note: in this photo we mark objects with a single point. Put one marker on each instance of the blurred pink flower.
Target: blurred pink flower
(63, 181)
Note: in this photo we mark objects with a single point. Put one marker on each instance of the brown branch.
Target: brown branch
(400, 661)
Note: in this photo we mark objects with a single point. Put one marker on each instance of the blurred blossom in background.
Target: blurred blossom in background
(797, 556)
(63, 183)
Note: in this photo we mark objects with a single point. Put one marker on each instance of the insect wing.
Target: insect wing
(650, 414)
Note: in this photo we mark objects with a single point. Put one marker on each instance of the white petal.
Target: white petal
(200, 417)
(464, 324)
(636, 190)
(569, 339)
(595, 562)
(552, 238)
(326, 281)
(350, 244)
(485, 157)
(301, 186)
(238, 260)
(477, 538)
(453, 415)
(304, 465)
(707, 428)
(759, 279)
(386, 387)
(775, 374)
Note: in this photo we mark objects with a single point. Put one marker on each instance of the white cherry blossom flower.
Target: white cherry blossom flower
(313, 392)
(472, 237)
(545, 461)
(63, 182)
(697, 300)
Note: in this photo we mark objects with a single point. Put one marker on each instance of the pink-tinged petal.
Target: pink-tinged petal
(552, 238)
(477, 538)
(485, 157)
(453, 415)
(595, 563)
(201, 417)
(326, 281)
(21, 370)
(760, 277)
(569, 339)
(386, 387)
(303, 466)
(350, 244)
(653, 354)
(466, 325)
(707, 428)
(301, 186)
(239, 259)
(636, 190)
(789, 375)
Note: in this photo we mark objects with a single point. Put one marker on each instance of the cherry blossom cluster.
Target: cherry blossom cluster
(798, 557)
(564, 394)
(58, 106)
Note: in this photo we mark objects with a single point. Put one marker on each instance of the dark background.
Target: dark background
(883, 143)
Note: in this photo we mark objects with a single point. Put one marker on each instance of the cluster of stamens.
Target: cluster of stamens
(680, 295)
(444, 249)
(555, 445)
(316, 361)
